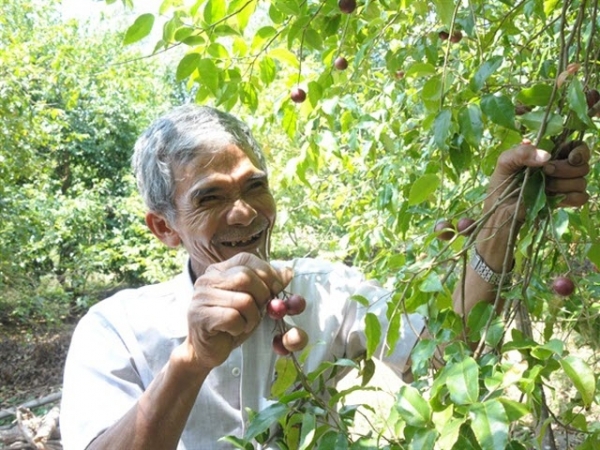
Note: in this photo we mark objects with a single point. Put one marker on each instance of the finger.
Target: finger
(226, 320)
(580, 155)
(515, 159)
(295, 339)
(565, 186)
(239, 279)
(563, 169)
(210, 301)
(566, 148)
(275, 279)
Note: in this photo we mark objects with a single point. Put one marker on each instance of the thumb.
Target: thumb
(518, 157)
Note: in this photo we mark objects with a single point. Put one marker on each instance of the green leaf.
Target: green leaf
(423, 188)
(534, 195)
(264, 419)
(420, 69)
(478, 318)
(537, 95)
(412, 407)
(214, 11)
(187, 66)
(249, 96)
(313, 39)
(431, 283)
(441, 128)
(499, 109)
(268, 70)
(577, 101)
(286, 376)
(490, 424)
(285, 56)
(534, 119)
(140, 29)
(582, 376)
(373, 332)
(445, 11)
(484, 72)
(471, 124)
(462, 380)
(208, 74)
(237, 442)
(307, 431)
(514, 410)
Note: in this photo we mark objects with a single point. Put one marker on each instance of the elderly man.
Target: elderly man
(175, 365)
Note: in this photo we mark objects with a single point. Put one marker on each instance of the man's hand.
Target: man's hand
(228, 304)
(565, 175)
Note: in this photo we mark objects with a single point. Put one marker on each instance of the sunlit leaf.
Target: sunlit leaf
(140, 29)
(462, 380)
(582, 376)
(264, 419)
(413, 408)
(490, 424)
(187, 66)
(373, 333)
(422, 188)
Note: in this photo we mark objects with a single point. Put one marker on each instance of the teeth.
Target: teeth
(242, 242)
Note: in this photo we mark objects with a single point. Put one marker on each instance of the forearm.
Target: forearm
(158, 418)
(494, 244)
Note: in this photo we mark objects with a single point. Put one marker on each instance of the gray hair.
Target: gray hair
(177, 138)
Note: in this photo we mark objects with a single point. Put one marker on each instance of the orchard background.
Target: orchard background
(406, 107)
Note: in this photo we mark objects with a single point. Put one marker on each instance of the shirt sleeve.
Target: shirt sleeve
(101, 382)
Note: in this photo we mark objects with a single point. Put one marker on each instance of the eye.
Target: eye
(257, 184)
(207, 199)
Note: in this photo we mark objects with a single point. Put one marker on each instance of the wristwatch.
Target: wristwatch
(485, 272)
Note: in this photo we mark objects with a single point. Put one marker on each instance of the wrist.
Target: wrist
(185, 363)
(496, 240)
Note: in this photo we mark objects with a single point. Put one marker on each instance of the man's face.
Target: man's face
(224, 207)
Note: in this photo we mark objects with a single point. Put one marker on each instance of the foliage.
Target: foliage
(405, 136)
(71, 113)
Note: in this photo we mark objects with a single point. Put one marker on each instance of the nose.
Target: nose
(241, 213)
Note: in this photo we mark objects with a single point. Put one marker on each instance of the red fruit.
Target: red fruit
(347, 6)
(592, 97)
(444, 35)
(445, 229)
(400, 74)
(465, 226)
(298, 95)
(295, 304)
(276, 309)
(278, 346)
(295, 339)
(456, 37)
(340, 63)
(563, 286)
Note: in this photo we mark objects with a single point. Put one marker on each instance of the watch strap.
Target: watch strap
(485, 272)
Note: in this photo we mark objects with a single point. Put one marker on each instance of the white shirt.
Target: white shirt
(123, 342)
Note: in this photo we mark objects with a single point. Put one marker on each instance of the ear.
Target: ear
(162, 230)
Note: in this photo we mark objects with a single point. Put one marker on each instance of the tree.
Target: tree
(71, 113)
(433, 92)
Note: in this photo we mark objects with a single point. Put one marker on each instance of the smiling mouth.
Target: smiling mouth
(244, 242)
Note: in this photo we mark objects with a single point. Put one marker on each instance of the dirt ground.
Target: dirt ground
(31, 362)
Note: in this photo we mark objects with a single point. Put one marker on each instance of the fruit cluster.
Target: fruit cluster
(294, 339)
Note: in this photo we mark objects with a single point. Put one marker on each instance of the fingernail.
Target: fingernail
(276, 288)
(542, 156)
(549, 169)
(575, 159)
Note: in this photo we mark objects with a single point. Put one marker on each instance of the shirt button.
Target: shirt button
(236, 372)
